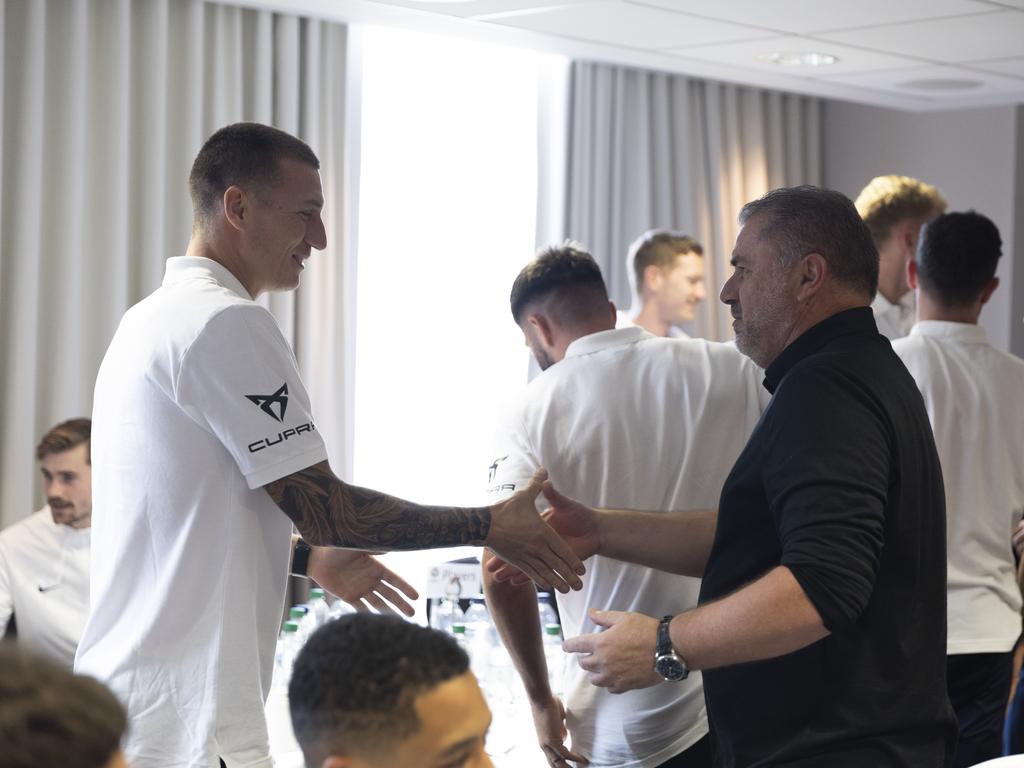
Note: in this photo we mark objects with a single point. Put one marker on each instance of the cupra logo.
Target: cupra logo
(266, 403)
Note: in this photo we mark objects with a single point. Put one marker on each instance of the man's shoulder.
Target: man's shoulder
(27, 528)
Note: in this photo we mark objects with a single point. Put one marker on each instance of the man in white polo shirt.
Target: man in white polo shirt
(44, 559)
(972, 392)
(620, 418)
(666, 271)
(205, 452)
(894, 208)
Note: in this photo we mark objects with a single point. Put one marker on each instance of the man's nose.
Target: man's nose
(728, 294)
(316, 233)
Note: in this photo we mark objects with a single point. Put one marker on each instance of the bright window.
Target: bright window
(447, 218)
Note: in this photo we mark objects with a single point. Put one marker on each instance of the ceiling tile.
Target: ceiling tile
(630, 26)
(995, 35)
(468, 8)
(908, 81)
(1013, 67)
(802, 17)
(744, 54)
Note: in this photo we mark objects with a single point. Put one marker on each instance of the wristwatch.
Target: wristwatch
(667, 662)
(300, 558)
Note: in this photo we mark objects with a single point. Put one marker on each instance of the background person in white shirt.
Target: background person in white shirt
(973, 395)
(44, 559)
(205, 451)
(666, 272)
(623, 418)
(894, 208)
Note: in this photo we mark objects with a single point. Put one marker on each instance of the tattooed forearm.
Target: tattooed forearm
(331, 513)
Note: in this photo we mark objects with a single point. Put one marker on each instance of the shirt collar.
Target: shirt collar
(183, 267)
(967, 332)
(595, 342)
(907, 302)
(856, 320)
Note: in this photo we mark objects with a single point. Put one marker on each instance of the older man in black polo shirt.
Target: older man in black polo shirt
(821, 627)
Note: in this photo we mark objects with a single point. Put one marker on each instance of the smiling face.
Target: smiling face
(761, 295)
(67, 484)
(682, 288)
(286, 225)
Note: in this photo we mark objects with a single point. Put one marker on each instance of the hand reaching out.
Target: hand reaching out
(361, 580)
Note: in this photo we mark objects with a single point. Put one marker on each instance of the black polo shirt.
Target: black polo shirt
(840, 482)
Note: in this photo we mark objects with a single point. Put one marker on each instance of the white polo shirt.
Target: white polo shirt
(198, 404)
(628, 319)
(629, 420)
(44, 583)
(973, 395)
(894, 321)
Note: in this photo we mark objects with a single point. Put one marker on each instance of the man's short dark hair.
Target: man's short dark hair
(51, 717)
(355, 682)
(957, 256)
(244, 155)
(661, 248)
(65, 436)
(566, 272)
(806, 219)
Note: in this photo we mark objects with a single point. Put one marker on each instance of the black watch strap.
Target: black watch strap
(300, 559)
(664, 641)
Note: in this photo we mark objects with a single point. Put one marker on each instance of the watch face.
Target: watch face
(671, 668)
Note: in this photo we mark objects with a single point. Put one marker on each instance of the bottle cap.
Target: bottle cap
(458, 629)
(291, 626)
(316, 592)
(553, 629)
(297, 612)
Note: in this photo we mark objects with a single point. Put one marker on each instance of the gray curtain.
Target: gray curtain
(105, 103)
(649, 149)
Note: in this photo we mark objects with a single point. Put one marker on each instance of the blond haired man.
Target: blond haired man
(894, 208)
(666, 270)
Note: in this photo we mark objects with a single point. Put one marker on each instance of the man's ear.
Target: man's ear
(909, 233)
(813, 269)
(989, 289)
(542, 328)
(653, 277)
(912, 274)
(235, 207)
(614, 312)
(338, 762)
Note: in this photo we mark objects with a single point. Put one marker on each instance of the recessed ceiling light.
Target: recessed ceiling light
(797, 58)
(940, 84)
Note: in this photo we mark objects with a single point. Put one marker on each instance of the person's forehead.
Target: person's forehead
(300, 181)
(451, 713)
(72, 459)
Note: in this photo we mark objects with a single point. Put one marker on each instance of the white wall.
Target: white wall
(971, 155)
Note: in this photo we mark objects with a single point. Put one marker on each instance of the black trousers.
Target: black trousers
(979, 684)
(695, 756)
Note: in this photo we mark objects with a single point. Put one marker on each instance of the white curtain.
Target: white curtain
(105, 104)
(649, 149)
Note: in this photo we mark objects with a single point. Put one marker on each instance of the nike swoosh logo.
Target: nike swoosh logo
(48, 589)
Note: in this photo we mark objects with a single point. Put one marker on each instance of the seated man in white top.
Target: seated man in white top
(622, 418)
(205, 452)
(44, 559)
(666, 271)
(973, 395)
(894, 208)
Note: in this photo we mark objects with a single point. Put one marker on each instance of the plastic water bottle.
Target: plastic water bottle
(555, 657)
(318, 606)
(444, 615)
(479, 639)
(284, 654)
(339, 608)
(459, 633)
(546, 608)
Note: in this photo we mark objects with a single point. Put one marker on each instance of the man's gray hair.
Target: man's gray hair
(806, 219)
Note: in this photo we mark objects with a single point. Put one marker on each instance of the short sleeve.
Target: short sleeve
(239, 380)
(827, 478)
(512, 462)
